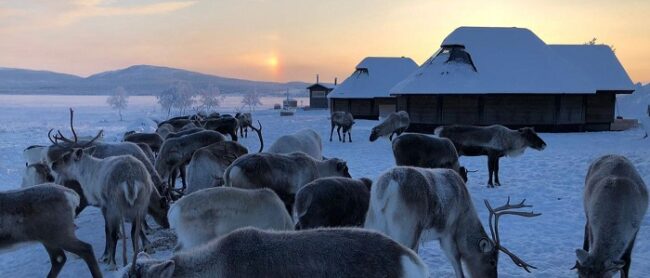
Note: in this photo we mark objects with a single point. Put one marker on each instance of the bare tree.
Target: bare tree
(179, 96)
(210, 98)
(252, 100)
(118, 100)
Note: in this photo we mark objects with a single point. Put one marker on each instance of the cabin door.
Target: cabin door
(386, 109)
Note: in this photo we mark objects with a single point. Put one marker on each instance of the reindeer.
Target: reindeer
(413, 205)
(395, 123)
(165, 129)
(175, 153)
(342, 120)
(36, 173)
(245, 121)
(44, 213)
(305, 140)
(343, 253)
(153, 140)
(224, 125)
(34, 154)
(332, 202)
(208, 164)
(493, 141)
(211, 213)
(615, 202)
(424, 151)
(285, 174)
(119, 185)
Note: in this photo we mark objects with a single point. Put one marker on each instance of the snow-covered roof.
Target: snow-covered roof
(373, 77)
(503, 61)
(599, 63)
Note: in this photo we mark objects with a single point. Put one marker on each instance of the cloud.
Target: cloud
(83, 9)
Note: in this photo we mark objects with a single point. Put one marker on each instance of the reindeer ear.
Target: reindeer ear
(582, 256)
(77, 154)
(485, 245)
(340, 165)
(90, 150)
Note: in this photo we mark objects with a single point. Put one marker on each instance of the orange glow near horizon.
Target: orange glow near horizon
(286, 40)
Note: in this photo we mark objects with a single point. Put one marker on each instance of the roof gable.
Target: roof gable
(373, 77)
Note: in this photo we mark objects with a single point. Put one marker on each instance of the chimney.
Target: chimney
(316, 78)
(335, 81)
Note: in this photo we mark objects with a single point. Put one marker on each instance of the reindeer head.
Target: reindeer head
(147, 267)
(588, 267)
(532, 140)
(66, 153)
(335, 167)
(485, 265)
(375, 133)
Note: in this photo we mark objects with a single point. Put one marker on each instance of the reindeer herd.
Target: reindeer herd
(291, 212)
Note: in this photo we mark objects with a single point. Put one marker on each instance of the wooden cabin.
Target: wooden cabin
(508, 76)
(365, 93)
(318, 94)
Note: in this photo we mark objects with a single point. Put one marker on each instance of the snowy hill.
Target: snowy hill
(138, 80)
(636, 104)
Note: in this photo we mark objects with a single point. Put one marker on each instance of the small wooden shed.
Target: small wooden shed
(365, 93)
(487, 75)
(318, 94)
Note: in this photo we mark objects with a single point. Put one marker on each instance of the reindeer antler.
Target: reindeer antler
(507, 209)
(55, 139)
(259, 134)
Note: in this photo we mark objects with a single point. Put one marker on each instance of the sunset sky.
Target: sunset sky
(292, 40)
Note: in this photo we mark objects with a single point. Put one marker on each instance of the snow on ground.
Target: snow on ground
(551, 180)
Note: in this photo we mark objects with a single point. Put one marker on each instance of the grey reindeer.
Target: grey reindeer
(414, 205)
(615, 202)
(208, 164)
(305, 140)
(44, 213)
(285, 174)
(493, 141)
(343, 253)
(395, 124)
(424, 151)
(119, 185)
(207, 214)
(342, 120)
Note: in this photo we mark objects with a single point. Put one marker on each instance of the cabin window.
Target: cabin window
(457, 54)
(361, 71)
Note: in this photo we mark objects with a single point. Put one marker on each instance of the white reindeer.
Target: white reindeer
(210, 213)
(414, 205)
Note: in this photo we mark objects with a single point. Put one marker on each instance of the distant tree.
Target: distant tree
(594, 41)
(252, 100)
(179, 96)
(118, 100)
(209, 98)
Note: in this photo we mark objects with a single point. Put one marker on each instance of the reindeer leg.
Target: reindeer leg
(183, 175)
(331, 132)
(107, 232)
(350, 135)
(113, 228)
(496, 171)
(585, 243)
(85, 251)
(57, 259)
(453, 255)
(146, 244)
(390, 138)
(338, 131)
(490, 171)
(627, 258)
(135, 230)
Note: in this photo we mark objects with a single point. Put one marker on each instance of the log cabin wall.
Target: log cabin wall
(545, 112)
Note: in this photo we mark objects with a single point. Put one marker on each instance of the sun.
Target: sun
(272, 62)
